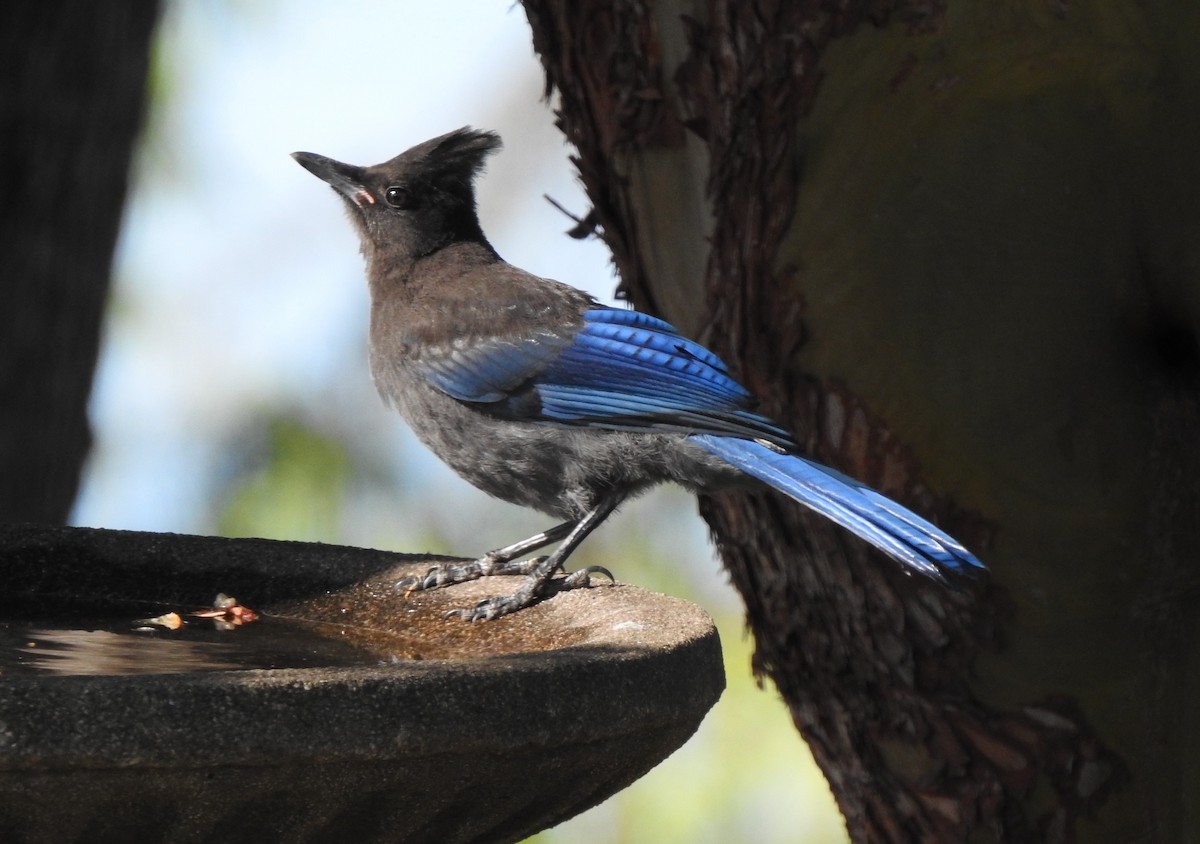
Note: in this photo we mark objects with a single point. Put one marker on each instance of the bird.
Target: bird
(538, 394)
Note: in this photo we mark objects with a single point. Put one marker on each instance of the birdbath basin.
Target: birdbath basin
(381, 720)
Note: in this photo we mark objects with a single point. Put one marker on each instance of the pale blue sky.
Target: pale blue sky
(238, 280)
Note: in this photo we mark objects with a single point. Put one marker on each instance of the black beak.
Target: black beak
(346, 179)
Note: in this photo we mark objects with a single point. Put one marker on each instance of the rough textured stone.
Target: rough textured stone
(483, 732)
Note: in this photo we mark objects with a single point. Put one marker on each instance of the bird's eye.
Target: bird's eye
(399, 196)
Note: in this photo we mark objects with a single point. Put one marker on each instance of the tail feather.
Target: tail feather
(892, 528)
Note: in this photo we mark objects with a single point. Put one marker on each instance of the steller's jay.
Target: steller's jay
(539, 395)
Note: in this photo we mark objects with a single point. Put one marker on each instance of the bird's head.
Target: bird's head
(419, 201)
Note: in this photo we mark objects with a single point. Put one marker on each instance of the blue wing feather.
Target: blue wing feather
(490, 370)
(620, 369)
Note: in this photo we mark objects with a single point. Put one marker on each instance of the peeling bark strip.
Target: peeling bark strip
(874, 665)
(612, 104)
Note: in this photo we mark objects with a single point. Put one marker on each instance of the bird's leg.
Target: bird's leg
(545, 567)
(501, 561)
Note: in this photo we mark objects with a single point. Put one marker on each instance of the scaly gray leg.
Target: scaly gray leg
(539, 576)
(501, 561)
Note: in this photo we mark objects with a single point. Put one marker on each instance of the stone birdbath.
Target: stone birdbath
(347, 712)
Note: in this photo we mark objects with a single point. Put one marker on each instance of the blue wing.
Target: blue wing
(493, 369)
(620, 369)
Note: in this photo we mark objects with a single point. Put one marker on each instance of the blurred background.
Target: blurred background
(232, 395)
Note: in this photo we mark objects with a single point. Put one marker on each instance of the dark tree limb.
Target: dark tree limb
(72, 95)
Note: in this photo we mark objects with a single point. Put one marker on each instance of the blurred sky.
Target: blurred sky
(238, 279)
(239, 290)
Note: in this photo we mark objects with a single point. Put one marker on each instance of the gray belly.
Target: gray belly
(559, 470)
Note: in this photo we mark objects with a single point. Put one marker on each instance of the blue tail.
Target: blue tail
(864, 512)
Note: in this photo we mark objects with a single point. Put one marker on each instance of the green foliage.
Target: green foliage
(294, 489)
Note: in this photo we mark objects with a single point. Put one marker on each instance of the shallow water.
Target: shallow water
(107, 646)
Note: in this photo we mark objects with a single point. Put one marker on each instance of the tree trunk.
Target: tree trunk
(953, 245)
(72, 90)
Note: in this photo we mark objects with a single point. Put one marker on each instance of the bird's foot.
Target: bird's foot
(445, 574)
(531, 592)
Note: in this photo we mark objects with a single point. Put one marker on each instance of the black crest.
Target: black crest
(451, 161)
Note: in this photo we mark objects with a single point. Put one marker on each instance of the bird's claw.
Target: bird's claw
(530, 593)
(583, 576)
(489, 609)
(440, 575)
(447, 574)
